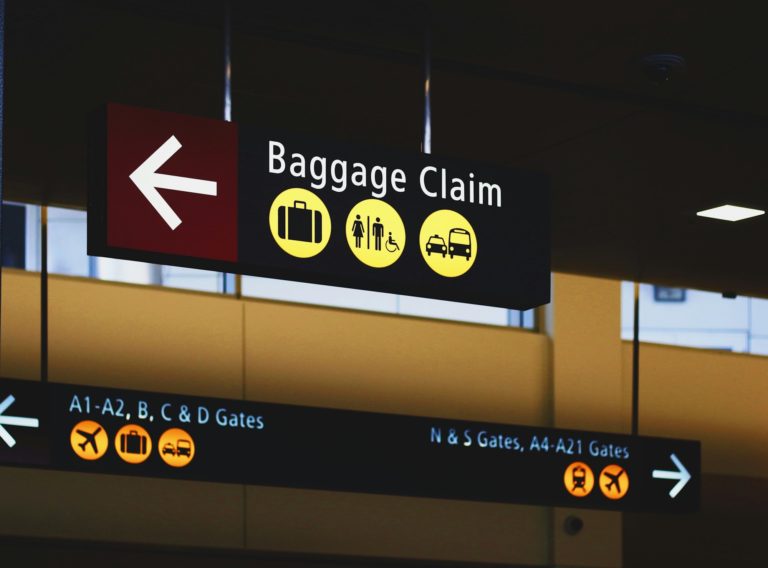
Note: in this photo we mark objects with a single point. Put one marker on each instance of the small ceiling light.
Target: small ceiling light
(730, 213)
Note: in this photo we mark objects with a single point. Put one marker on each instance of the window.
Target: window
(67, 246)
(697, 319)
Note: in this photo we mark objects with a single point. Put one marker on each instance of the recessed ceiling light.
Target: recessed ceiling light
(730, 213)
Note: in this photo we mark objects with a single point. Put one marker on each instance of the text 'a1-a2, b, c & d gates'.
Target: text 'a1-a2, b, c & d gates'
(126, 432)
(190, 191)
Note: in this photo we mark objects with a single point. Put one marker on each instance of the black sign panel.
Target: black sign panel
(183, 437)
(506, 212)
(209, 194)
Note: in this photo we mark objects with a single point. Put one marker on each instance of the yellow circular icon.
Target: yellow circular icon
(176, 447)
(448, 243)
(133, 444)
(300, 222)
(614, 481)
(579, 479)
(88, 439)
(375, 233)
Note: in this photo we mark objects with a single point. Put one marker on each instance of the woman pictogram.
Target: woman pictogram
(357, 230)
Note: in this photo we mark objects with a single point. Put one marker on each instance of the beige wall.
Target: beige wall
(165, 340)
(588, 393)
(716, 397)
(20, 331)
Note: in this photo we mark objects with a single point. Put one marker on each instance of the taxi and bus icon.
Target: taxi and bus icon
(181, 448)
(459, 244)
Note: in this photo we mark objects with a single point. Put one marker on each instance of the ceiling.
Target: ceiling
(556, 88)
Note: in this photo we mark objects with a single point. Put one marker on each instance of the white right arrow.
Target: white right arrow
(681, 475)
(13, 421)
(148, 181)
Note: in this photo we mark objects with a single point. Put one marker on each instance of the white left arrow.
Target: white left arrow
(149, 181)
(13, 421)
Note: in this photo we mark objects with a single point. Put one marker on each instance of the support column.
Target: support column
(588, 393)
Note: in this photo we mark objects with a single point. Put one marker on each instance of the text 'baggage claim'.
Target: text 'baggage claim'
(340, 174)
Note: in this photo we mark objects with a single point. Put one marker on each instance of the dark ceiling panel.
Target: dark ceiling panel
(64, 60)
(521, 84)
(599, 43)
(327, 92)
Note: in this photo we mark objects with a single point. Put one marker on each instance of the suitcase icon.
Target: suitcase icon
(297, 223)
(133, 443)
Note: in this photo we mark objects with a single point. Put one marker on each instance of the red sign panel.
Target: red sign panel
(171, 183)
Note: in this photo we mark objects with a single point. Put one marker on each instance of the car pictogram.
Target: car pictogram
(436, 243)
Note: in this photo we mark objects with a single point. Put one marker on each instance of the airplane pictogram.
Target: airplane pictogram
(614, 481)
(89, 438)
(611, 483)
(89, 441)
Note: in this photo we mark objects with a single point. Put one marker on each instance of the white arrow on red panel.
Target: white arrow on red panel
(149, 181)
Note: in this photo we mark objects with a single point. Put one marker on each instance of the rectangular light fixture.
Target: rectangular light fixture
(730, 213)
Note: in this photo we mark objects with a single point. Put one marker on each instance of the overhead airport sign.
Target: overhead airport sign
(203, 193)
(126, 432)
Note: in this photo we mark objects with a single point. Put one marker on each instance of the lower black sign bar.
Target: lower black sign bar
(89, 429)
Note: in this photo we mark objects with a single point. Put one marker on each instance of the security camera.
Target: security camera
(659, 68)
(658, 73)
(573, 525)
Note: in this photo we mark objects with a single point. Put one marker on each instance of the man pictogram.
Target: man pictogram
(378, 233)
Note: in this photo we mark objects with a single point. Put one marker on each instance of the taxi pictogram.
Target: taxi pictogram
(176, 447)
(614, 481)
(579, 479)
(89, 440)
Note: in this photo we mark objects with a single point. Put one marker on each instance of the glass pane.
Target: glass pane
(759, 317)
(456, 311)
(288, 291)
(272, 289)
(127, 271)
(67, 246)
(67, 242)
(14, 232)
(698, 319)
(191, 279)
(759, 346)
